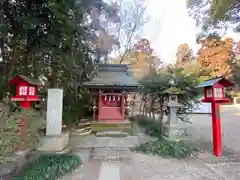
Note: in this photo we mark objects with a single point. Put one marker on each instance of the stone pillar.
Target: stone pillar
(55, 140)
(54, 112)
(173, 115)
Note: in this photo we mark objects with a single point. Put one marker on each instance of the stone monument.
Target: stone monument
(174, 130)
(55, 140)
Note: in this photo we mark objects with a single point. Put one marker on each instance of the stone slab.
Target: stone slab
(228, 170)
(7, 169)
(157, 168)
(109, 171)
(14, 165)
(111, 134)
(54, 112)
(110, 154)
(54, 143)
(98, 142)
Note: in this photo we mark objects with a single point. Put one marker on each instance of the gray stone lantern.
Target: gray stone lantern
(173, 129)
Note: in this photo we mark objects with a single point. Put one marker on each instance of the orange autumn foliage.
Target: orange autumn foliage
(238, 47)
(140, 59)
(184, 55)
(215, 55)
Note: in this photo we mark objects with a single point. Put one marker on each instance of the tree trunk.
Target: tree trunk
(142, 103)
(161, 114)
(150, 110)
(133, 103)
(54, 71)
(26, 64)
(2, 49)
(34, 67)
(12, 62)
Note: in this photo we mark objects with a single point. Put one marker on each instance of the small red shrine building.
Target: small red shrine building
(214, 89)
(26, 90)
(110, 89)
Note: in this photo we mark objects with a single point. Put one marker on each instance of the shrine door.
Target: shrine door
(111, 107)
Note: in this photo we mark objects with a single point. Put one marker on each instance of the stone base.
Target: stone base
(13, 166)
(54, 143)
(175, 132)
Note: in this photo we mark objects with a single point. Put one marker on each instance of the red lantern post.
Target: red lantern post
(214, 93)
(26, 91)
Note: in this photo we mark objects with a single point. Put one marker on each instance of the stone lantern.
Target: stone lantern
(174, 129)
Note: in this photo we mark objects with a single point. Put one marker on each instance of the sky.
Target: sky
(169, 26)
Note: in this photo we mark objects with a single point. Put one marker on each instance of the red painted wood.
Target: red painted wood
(216, 129)
(216, 121)
(110, 113)
(217, 85)
(111, 106)
(222, 99)
(25, 104)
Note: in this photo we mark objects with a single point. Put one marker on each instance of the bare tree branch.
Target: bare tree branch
(132, 19)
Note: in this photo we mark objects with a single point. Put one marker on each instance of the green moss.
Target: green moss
(50, 167)
(165, 148)
(174, 90)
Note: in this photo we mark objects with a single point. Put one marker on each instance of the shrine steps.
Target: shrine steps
(97, 126)
(111, 134)
(104, 128)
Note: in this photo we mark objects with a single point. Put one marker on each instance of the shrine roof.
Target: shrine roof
(173, 90)
(27, 79)
(213, 81)
(112, 76)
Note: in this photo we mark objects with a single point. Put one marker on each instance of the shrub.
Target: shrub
(165, 148)
(50, 167)
(34, 123)
(76, 107)
(150, 127)
(9, 131)
(162, 147)
(8, 137)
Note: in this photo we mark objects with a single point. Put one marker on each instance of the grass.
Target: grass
(50, 167)
(165, 148)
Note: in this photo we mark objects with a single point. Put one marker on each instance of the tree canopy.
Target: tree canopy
(215, 55)
(217, 14)
(62, 42)
(184, 55)
(156, 85)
